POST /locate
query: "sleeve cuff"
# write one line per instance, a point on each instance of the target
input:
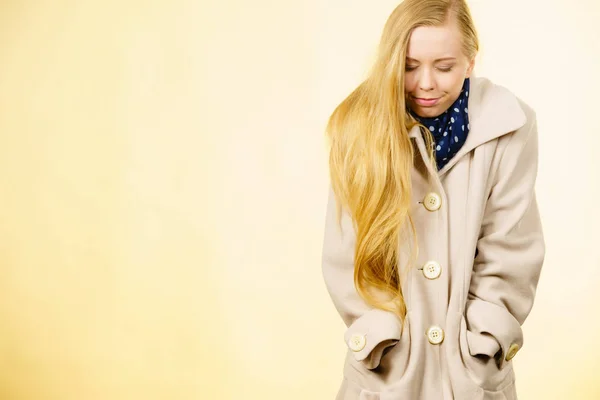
(492, 331)
(371, 334)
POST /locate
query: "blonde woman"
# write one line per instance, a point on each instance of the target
(433, 242)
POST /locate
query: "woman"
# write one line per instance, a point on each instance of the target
(433, 242)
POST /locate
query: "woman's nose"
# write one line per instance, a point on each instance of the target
(426, 82)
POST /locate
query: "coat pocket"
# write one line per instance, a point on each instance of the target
(391, 369)
(482, 369)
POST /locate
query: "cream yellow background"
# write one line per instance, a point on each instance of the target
(162, 188)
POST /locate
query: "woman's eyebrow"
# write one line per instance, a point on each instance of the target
(438, 60)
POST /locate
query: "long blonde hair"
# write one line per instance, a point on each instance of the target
(371, 154)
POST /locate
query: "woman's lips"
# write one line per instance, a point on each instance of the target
(430, 102)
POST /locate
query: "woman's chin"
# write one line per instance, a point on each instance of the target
(427, 112)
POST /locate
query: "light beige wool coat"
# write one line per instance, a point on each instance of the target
(481, 249)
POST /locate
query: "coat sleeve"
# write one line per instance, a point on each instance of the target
(369, 330)
(510, 253)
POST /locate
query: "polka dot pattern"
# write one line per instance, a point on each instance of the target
(455, 120)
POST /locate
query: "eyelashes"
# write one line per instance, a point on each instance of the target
(410, 68)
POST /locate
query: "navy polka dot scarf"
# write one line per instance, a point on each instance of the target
(450, 129)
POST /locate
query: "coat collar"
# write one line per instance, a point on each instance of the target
(493, 112)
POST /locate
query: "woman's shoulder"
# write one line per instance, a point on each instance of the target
(493, 93)
(503, 111)
(499, 109)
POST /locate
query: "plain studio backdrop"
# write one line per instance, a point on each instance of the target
(163, 182)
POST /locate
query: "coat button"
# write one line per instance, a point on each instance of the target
(512, 351)
(357, 342)
(432, 270)
(435, 334)
(432, 201)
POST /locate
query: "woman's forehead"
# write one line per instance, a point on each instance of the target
(430, 43)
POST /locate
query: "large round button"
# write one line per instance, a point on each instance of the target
(357, 342)
(432, 201)
(432, 270)
(435, 334)
(512, 351)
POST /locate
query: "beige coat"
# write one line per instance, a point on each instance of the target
(481, 249)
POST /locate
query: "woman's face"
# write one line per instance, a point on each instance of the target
(435, 69)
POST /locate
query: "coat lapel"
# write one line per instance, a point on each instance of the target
(493, 112)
